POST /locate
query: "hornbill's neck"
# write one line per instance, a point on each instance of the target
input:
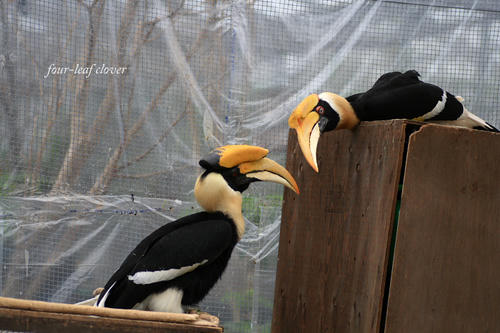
(215, 195)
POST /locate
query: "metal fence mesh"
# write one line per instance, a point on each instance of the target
(100, 100)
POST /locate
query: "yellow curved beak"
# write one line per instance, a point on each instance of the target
(266, 169)
(304, 121)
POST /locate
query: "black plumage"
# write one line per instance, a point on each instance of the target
(179, 244)
(397, 95)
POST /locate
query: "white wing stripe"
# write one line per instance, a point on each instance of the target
(437, 109)
(147, 277)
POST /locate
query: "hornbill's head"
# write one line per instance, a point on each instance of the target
(317, 114)
(229, 170)
(241, 165)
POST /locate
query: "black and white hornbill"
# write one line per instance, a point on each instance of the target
(179, 263)
(394, 95)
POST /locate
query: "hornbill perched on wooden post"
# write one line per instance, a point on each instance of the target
(179, 263)
(394, 95)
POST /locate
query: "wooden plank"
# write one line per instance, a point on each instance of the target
(446, 275)
(27, 315)
(335, 236)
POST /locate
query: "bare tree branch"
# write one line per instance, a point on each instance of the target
(150, 149)
(78, 150)
(103, 181)
(176, 11)
(143, 175)
(52, 106)
(8, 89)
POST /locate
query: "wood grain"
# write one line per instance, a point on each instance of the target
(36, 316)
(446, 275)
(335, 236)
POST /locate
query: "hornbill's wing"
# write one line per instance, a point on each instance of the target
(395, 80)
(388, 80)
(385, 78)
(401, 97)
(167, 254)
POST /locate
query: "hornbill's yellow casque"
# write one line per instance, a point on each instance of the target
(394, 95)
(180, 262)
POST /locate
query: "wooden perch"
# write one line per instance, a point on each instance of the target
(28, 315)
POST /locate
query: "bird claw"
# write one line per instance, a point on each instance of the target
(97, 291)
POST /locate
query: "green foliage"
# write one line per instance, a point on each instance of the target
(242, 302)
(9, 185)
(49, 167)
(252, 205)
(243, 299)
(245, 326)
(55, 153)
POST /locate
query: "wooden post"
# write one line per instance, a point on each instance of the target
(335, 236)
(333, 268)
(446, 275)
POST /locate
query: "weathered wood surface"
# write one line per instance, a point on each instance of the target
(36, 316)
(446, 275)
(335, 236)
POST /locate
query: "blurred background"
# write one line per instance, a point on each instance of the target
(107, 106)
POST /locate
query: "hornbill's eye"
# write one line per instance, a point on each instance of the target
(319, 109)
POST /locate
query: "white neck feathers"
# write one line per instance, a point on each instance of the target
(214, 195)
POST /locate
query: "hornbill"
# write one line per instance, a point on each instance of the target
(394, 95)
(180, 262)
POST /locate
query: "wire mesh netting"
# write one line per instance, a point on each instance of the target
(107, 106)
